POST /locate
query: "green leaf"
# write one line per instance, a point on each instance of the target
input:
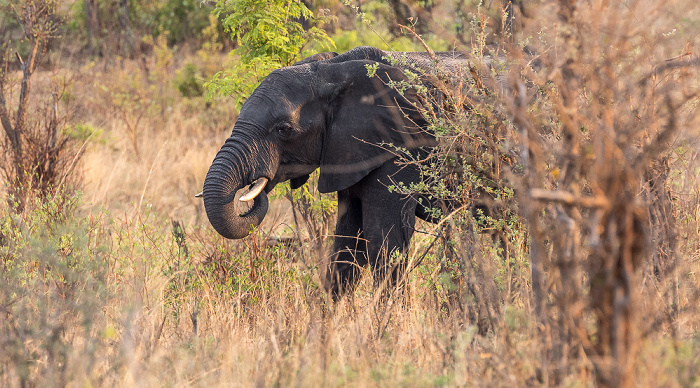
(269, 35)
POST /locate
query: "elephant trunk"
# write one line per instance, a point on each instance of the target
(236, 166)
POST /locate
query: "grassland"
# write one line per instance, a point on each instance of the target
(124, 283)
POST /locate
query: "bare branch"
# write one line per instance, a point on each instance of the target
(670, 64)
(5, 118)
(569, 198)
(28, 68)
(430, 52)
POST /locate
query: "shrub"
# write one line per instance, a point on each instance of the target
(40, 157)
(189, 82)
(53, 287)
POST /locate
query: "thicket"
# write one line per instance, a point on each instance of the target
(560, 146)
(109, 28)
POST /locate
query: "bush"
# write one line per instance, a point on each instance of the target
(189, 82)
(54, 284)
(40, 157)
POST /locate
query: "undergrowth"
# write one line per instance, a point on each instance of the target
(91, 298)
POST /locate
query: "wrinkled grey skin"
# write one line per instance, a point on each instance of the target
(325, 112)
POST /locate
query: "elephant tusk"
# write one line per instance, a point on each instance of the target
(200, 195)
(254, 191)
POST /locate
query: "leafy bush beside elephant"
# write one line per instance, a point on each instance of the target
(326, 112)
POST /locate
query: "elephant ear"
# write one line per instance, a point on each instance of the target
(369, 122)
(297, 182)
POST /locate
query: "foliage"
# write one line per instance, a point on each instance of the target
(188, 81)
(82, 132)
(73, 284)
(270, 34)
(115, 27)
(180, 20)
(595, 148)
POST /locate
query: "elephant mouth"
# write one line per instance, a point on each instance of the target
(256, 188)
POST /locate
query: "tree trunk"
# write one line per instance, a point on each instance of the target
(127, 47)
(92, 25)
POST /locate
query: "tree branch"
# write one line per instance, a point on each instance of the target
(5, 118)
(569, 198)
(28, 68)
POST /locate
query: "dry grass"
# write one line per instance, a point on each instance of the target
(177, 139)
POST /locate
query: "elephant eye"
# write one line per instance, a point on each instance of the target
(285, 130)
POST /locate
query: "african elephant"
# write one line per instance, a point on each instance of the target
(326, 112)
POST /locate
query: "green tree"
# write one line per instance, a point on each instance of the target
(270, 34)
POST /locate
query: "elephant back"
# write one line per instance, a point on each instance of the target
(361, 53)
(451, 62)
(456, 64)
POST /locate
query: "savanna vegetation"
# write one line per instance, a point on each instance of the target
(572, 139)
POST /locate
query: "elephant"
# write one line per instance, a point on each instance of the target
(325, 112)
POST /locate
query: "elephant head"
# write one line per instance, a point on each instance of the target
(323, 112)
